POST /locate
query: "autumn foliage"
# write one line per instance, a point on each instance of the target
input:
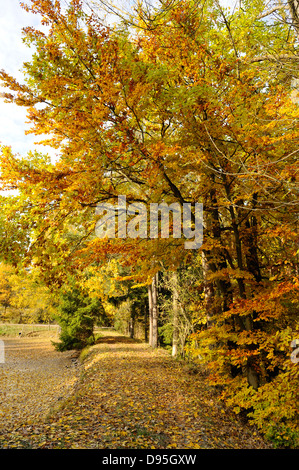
(181, 102)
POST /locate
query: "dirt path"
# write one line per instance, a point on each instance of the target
(33, 378)
(130, 396)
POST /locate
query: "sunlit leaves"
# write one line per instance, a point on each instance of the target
(191, 104)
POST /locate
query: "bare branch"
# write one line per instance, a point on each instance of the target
(267, 13)
(271, 58)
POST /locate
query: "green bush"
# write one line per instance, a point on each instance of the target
(282, 436)
(166, 333)
(78, 314)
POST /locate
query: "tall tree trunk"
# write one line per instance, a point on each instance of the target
(246, 322)
(294, 10)
(150, 314)
(132, 321)
(250, 243)
(146, 320)
(218, 294)
(209, 291)
(155, 311)
(175, 296)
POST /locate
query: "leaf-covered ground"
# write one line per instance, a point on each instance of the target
(33, 378)
(123, 395)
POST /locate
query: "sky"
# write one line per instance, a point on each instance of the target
(13, 53)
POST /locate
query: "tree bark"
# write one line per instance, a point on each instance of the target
(132, 322)
(218, 294)
(209, 291)
(146, 321)
(245, 323)
(175, 334)
(150, 314)
(250, 243)
(155, 311)
(294, 9)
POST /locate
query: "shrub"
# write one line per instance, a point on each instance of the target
(77, 316)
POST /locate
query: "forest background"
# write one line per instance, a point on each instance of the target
(178, 102)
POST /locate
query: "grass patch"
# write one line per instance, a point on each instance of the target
(15, 330)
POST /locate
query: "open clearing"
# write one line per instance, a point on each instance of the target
(123, 395)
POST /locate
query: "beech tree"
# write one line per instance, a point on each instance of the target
(182, 102)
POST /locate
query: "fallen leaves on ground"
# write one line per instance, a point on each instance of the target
(33, 379)
(128, 396)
